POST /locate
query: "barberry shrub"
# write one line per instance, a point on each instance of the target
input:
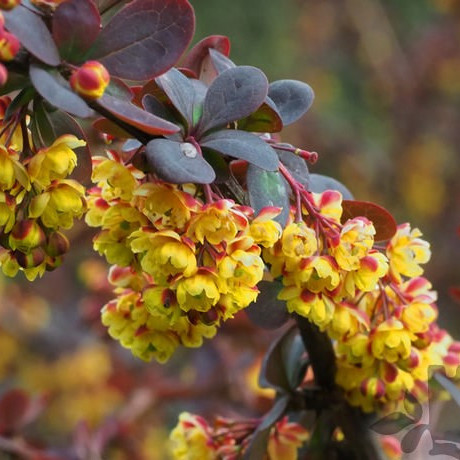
(202, 211)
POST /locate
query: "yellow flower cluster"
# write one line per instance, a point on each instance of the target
(194, 439)
(36, 201)
(180, 266)
(379, 311)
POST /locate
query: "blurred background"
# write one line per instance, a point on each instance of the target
(385, 121)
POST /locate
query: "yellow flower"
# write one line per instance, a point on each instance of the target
(285, 439)
(191, 439)
(406, 251)
(54, 162)
(114, 178)
(11, 170)
(7, 211)
(317, 274)
(298, 241)
(217, 222)
(263, 229)
(198, 292)
(418, 316)
(347, 321)
(391, 341)
(164, 253)
(26, 235)
(58, 206)
(356, 239)
(329, 203)
(165, 205)
(190, 334)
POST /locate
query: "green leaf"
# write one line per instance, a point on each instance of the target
(42, 131)
(242, 145)
(16, 81)
(265, 119)
(233, 95)
(178, 162)
(282, 367)
(76, 25)
(267, 311)
(118, 88)
(384, 222)
(145, 38)
(135, 116)
(51, 86)
(33, 34)
(292, 98)
(257, 449)
(268, 188)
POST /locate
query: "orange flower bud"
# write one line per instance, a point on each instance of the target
(90, 80)
(9, 46)
(3, 75)
(26, 234)
(9, 4)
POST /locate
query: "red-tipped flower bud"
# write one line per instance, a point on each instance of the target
(9, 4)
(57, 245)
(3, 75)
(26, 235)
(30, 260)
(90, 80)
(9, 46)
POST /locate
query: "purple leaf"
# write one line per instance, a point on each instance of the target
(33, 34)
(319, 183)
(180, 91)
(153, 105)
(293, 98)
(220, 61)
(135, 116)
(234, 94)
(145, 38)
(178, 162)
(411, 439)
(242, 145)
(76, 24)
(267, 311)
(51, 86)
(267, 188)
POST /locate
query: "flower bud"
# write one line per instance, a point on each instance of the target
(57, 244)
(3, 75)
(90, 80)
(9, 4)
(31, 260)
(26, 235)
(9, 46)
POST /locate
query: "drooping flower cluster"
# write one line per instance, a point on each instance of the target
(193, 438)
(36, 200)
(378, 309)
(181, 266)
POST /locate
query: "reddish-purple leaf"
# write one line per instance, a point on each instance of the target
(220, 61)
(76, 25)
(233, 95)
(145, 38)
(14, 406)
(384, 222)
(33, 34)
(318, 183)
(194, 58)
(108, 127)
(118, 88)
(137, 117)
(55, 89)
